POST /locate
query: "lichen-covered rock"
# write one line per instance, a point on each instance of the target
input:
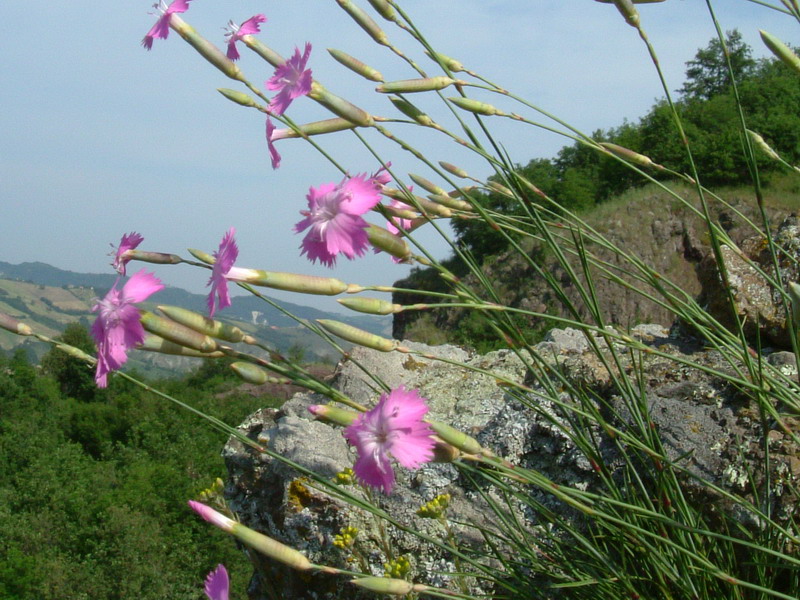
(706, 427)
(758, 303)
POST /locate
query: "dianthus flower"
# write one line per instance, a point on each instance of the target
(118, 326)
(128, 242)
(161, 29)
(273, 151)
(217, 584)
(394, 427)
(237, 32)
(225, 257)
(334, 216)
(291, 80)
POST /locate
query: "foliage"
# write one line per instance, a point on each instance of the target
(93, 499)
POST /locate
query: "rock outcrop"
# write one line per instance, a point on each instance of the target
(705, 425)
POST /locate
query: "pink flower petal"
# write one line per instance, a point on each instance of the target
(161, 28)
(129, 242)
(291, 80)
(249, 27)
(217, 584)
(394, 427)
(273, 151)
(225, 257)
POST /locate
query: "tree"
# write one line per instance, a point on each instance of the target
(708, 75)
(74, 377)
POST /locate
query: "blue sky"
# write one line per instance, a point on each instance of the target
(99, 137)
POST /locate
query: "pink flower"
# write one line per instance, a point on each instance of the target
(217, 584)
(237, 32)
(161, 28)
(334, 216)
(395, 427)
(271, 137)
(121, 258)
(118, 327)
(225, 257)
(291, 80)
(393, 222)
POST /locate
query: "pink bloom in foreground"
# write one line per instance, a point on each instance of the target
(217, 584)
(118, 327)
(273, 151)
(393, 222)
(212, 516)
(291, 80)
(334, 218)
(225, 257)
(129, 242)
(161, 29)
(394, 427)
(237, 32)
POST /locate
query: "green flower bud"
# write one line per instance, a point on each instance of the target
(205, 48)
(155, 343)
(372, 306)
(384, 240)
(175, 332)
(10, 324)
(364, 21)
(202, 256)
(333, 414)
(356, 65)
(238, 97)
(203, 324)
(358, 336)
(340, 106)
(629, 155)
(411, 111)
(454, 170)
(410, 86)
(427, 185)
(250, 373)
(780, 50)
(293, 282)
(384, 585)
(474, 106)
(451, 63)
(384, 9)
(457, 438)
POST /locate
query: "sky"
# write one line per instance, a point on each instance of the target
(99, 137)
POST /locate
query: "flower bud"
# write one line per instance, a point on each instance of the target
(385, 585)
(14, 326)
(384, 9)
(384, 240)
(202, 256)
(203, 324)
(154, 343)
(457, 438)
(293, 282)
(628, 10)
(780, 50)
(156, 258)
(451, 202)
(427, 185)
(175, 332)
(315, 128)
(761, 143)
(629, 155)
(411, 111)
(358, 336)
(365, 22)
(500, 189)
(410, 86)
(356, 65)
(76, 353)
(474, 106)
(425, 205)
(454, 170)
(451, 63)
(250, 372)
(372, 306)
(258, 541)
(238, 97)
(333, 414)
(340, 106)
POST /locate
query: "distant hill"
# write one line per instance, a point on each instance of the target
(48, 299)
